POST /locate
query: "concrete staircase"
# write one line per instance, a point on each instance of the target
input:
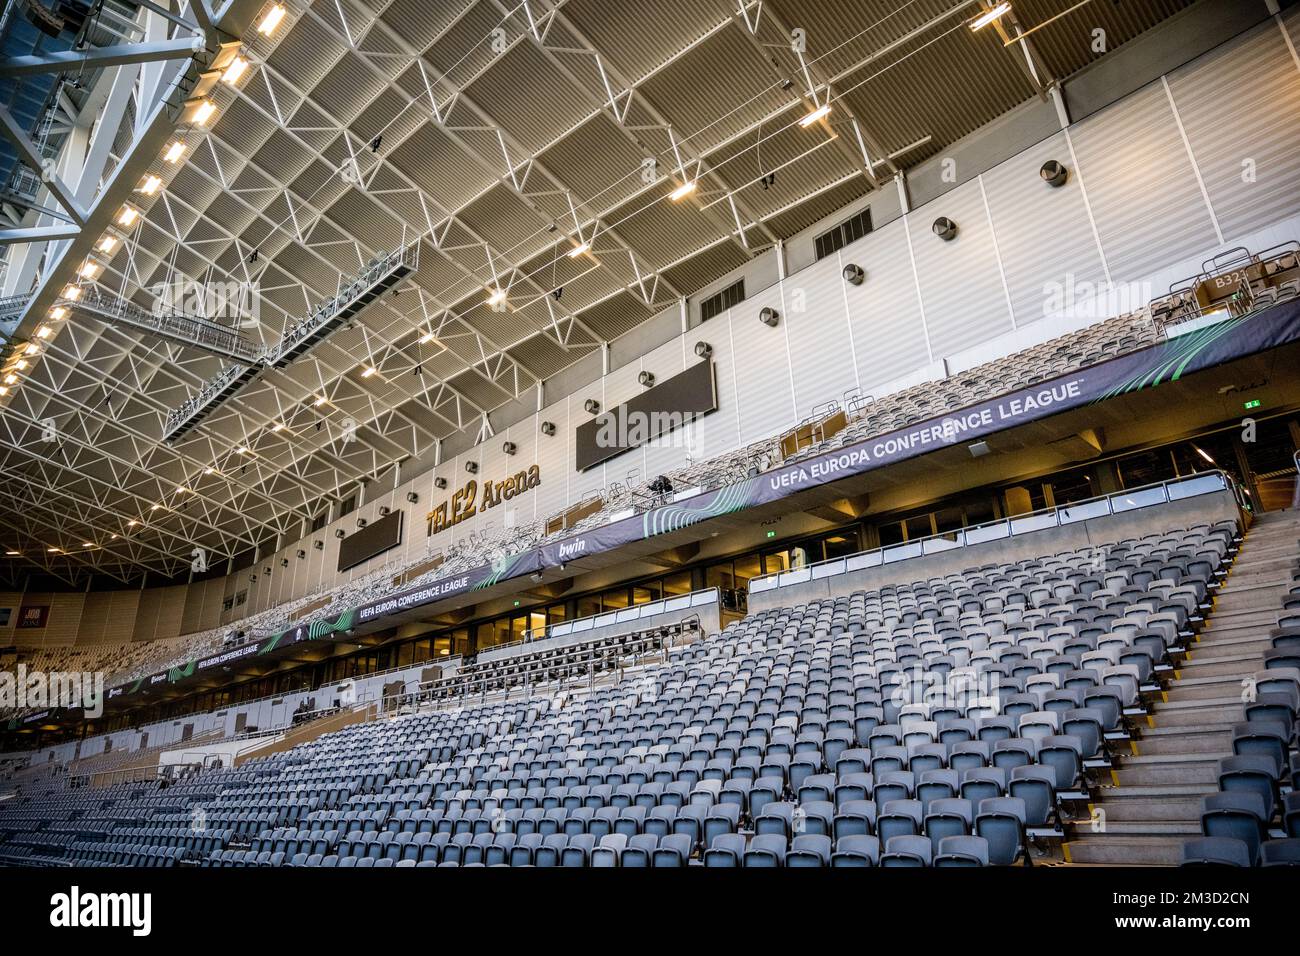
(1155, 803)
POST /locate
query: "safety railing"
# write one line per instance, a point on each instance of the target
(594, 622)
(378, 276)
(1295, 495)
(1173, 489)
(192, 330)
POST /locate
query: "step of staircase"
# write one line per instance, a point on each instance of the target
(1160, 769)
(1211, 645)
(1261, 617)
(1123, 850)
(1221, 665)
(1190, 687)
(1197, 713)
(1184, 740)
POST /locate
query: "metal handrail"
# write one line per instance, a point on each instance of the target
(193, 329)
(377, 270)
(1295, 495)
(1013, 525)
(566, 628)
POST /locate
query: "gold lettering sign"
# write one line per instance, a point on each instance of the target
(470, 499)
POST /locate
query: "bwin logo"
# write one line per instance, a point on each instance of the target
(73, 909)
(569, 550)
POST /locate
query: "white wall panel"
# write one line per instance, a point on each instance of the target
(821, 346)
(961, 287)
(555, 459)
(1140, 185)
(668, 452)
(1241, 105)
(884, 312)
(1042, 234)
(582, 484)
(765, 393)
(716, 433)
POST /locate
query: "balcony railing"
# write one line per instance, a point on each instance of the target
(1160, 493)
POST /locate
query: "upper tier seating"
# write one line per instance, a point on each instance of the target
(800, 736)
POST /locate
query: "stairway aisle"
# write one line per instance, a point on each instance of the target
(1156, 803)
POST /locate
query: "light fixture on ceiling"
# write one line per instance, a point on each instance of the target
(32, 349)
(989, 15)
(150, 185)
(132, 523)
(426, 338)
(58, 312)
(271, 19)
(815, 115)
(201, 112)
(128, 215)
(369, 371)
(72, 293)
(320, 401)
(580, 249)
(89, 269)
(496, 296)
(44, 332)
(107, 244)
(238, 67)
(11, 379)
(1204, 454)
(682, 191)
(174, 152)
(209, 470)
(278, 426)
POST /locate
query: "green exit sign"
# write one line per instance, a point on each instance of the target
(1253, 403)
(516, 604)
(771, 534)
